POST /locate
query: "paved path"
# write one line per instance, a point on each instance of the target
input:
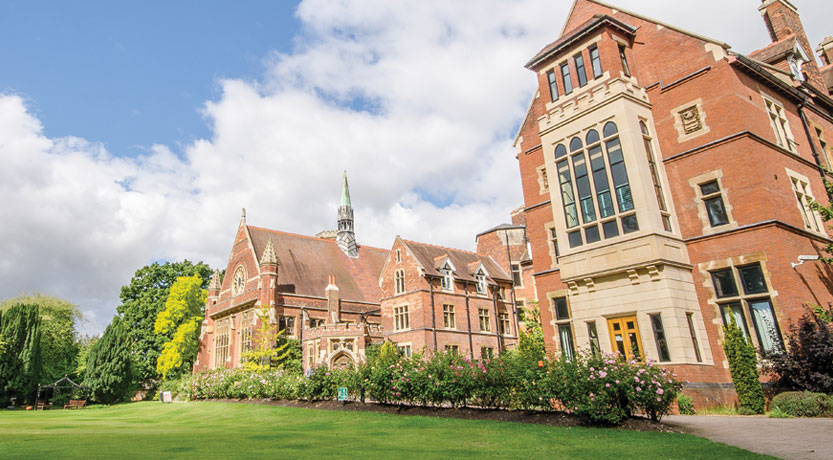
(789, 438)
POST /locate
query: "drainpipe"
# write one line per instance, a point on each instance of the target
(468, 318)
(433, 312)
(515, 312)
(813, 145)
(497, 318)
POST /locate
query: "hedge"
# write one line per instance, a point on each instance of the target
(604, 389)
(803, 404)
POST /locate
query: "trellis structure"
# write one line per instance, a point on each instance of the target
(60, 386)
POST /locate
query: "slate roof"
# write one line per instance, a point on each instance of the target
(465, 262)
(307, 261)
(583, 29)
(501, 227)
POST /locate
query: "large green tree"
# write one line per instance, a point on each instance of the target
(59, 338)
(20, 360)
(142, 300)
(109, 365)
(183, 314)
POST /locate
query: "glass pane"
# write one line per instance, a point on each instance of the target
(595, 62)
(716, 211)
(560, 151)
(594, 338)
(592, 137)
(629, 224)
(616, 326)
(752, 279)
(620, 344)
(765, 324)
(659, 337)
(734, 310)
(709, 188)
(643, 128)
(565, 78)
(689, 317)
(610, 228)
(591, 234)
(634, 346)
(571, 214)
(575, 144)
(574, 238)
(566, 336)
(724, 283)
(553, 85)
(609, 129)
(614, 150)
(561, 311)
(623, 195)
(605, 204)
(580, 72)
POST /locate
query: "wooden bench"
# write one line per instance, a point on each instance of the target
(41, 405)
(76, 404)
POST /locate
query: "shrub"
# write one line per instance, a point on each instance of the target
(743, 367)
(109, 371)
(808, 365)
(803, 404)
(685, 405)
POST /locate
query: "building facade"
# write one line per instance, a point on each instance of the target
(667, 182)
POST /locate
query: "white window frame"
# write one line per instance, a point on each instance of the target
(401, 318)
(449, 316)
(804, 196)
(399, 281)
(780, 125)
(484, 319)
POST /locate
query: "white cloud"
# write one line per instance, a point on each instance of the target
(419, 101)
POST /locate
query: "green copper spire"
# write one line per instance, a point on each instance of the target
(345, 192)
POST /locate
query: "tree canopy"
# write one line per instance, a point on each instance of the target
(109, 365)
(20, 360)
(182, 315)
(59, 338)
(142, 301)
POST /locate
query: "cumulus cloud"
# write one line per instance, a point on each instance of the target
(418, 101)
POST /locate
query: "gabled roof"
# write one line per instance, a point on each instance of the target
(645, 18)
(465, 261)
(578, 33)
(775, 50)
(501, 227)
(306, 263)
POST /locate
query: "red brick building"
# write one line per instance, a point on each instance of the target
(666, 184)
(337, 297)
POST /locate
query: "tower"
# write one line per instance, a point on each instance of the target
(345, 237)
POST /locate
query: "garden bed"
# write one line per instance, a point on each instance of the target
(520, 416)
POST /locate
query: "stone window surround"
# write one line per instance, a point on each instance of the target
(404, 312)
(449, 316)
(819, 224)
(399, 281)
(695, 182)
(549, 227)
(705, 270)
(777, 130)
(578, 90)
(402, 346)
(678, 121)
(556, 339)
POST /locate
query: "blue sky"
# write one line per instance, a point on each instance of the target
(130, 74)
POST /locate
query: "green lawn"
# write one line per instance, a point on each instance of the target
(225, 430)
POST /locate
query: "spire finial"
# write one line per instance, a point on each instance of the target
(345, 192)
(269, 256)
(243, 215)
(216, 283)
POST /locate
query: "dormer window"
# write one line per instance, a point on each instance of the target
(447, 279)
(480, 287)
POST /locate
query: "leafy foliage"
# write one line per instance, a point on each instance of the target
(803, 404)
(808, 363)
(603, 389)
(20, 360)
(109, 369)
(266, 346)
(85, 343)
(743, 366)
(183, 315)
(686, 405)
(59, 339)
(142, 301)
(531, 343)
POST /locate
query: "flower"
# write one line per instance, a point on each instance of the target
(602, 374)
(638, 389)
(607, 385)
(540, 364)
(660, 391)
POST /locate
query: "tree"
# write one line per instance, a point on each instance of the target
(531, 341)
(59, 339)
(85, 343)
(142, 300)
(808, 363)
(743, 367)
(266, 345)
(183, 314)
(109, 369)
(20, 360)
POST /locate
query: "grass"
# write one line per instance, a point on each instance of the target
(226, 430)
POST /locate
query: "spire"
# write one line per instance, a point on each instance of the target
(345, 192)
(346, 238)
(216, 283)
(269, 256)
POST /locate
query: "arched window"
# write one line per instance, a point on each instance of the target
(592, 137)
(609, 129)
(560, 151)
(238, 283)
(399, 281)
(575, 144)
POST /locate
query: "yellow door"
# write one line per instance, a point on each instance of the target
(624, 337)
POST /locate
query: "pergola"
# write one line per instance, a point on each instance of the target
(61, 386)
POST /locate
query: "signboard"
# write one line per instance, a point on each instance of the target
(166, 397)
(342, 393)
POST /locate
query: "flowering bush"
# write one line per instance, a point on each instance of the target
(604, 389)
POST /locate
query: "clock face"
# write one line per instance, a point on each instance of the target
(238, 282)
